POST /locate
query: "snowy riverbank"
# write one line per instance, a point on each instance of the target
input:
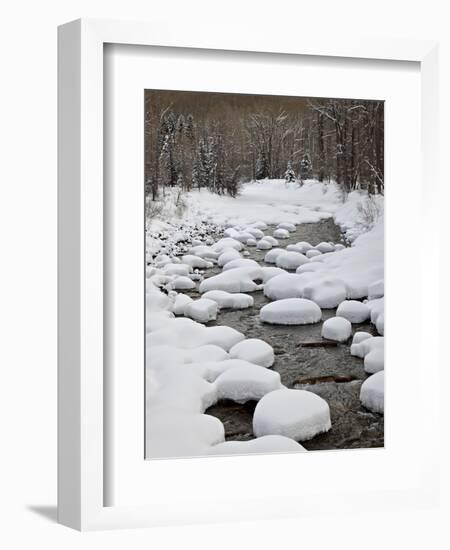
(191, 365)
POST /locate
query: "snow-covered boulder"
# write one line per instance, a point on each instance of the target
(228, 300)
(360, 336)
(372, 393)
(326, 292)
(271, 240)
(380, 324)
(376, 290)
(243, 236)
(291, 260)
(353, 311)
(240, 262)
(201, 310)
(203, 251)
(304, 246)
(325, 247)
(228, 256)
(266, 444)
(177, 269)
(182, 283)
(338, 247)
(247, 383)
(162, 259)
(297, 414)
(271, 272)
(366, 346)
(257, 233)
(263, 244)
(259, 225)
(286, 225)
(376, 308)
(255, 351)
(294, 248)
(204, 353)
(290, 285)
(210, 370)
(251, 242)
(281, 234)
(312, 253)
(240, 279)
(180, 303)
(291, 311)
(272, 255)
(337, 329)
(176, 434)
(196, 262)
(374, 360)
(226, 242)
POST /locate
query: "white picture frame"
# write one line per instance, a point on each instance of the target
(82, 485)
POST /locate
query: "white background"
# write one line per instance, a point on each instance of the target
(28, 272)
(217, 482)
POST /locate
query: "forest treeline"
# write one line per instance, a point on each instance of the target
(328, 139)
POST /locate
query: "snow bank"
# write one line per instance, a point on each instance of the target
(337, 329)
(227, 300)
(297, 414)
(190, 334)
(372, 393)
(376, 290)
(353, 311)
(208, 352)
(255, 351)
(265, 444)
(247, 383)
(291, 311)
(176, 434)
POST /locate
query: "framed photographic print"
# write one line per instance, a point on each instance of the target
(229, 220)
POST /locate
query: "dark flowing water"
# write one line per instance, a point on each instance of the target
(324, 368)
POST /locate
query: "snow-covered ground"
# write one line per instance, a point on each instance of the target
(191, 365)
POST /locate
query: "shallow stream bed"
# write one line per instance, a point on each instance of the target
(305, 361)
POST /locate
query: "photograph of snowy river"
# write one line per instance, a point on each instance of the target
(264, 274)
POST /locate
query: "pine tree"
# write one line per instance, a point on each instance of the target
(289, 175)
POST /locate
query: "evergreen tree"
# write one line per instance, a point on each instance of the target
(289, 175)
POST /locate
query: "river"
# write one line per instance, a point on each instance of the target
(304, 361)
